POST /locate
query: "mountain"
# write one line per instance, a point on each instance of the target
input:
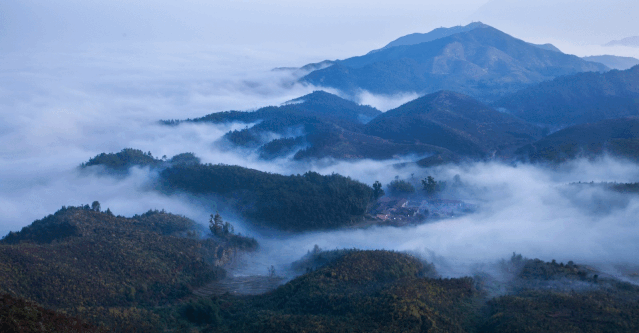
(318, 104)
(110, 269)
(578, 98)
(628, 41)
(317, 125)
(618, 137)
(483, 62)
(438, 33)
(614, 62)
(453, 121)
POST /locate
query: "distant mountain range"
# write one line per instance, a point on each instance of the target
(628, 41)
(313, 126)
(614, 62)
(446, 125)
(476, 60)
(579, 98)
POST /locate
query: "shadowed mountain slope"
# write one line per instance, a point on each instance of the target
(618, 137)
(455, 122)
(579, 98)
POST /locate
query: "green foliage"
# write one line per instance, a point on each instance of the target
(365, 291)
(185, 158)
(378, 192)
(548, 311)
(123, 160)
(18, 315)
(400, 186)
(431, 186)
(110, 270)
(298, 202)
(203, 311)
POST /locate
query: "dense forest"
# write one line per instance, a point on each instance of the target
(85, 270)
(381, 291)
(297, 202)
(108, 269)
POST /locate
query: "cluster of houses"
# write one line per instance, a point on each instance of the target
(403, 211)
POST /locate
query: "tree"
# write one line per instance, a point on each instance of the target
(400, 187)
(377, 190)
(216, 225)
(429, 185)
(95, 206)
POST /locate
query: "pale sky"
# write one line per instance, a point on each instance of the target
(336, 28)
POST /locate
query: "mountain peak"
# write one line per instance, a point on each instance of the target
(418, 38)
(315, 96)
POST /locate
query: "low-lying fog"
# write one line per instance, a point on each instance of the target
(60, 109)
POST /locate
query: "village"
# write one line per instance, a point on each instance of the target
(398, 211)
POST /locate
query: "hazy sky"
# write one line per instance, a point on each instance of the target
(326, 28)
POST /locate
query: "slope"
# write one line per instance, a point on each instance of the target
(455, 122)
(110, 269)
(579, 98)
(619, 137)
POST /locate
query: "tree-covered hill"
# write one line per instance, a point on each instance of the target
(455, 122)
(363, 291)
(381, 291)
(107, 269)
(482, 62)
(617, 137)
(577, 99)
(297, 202)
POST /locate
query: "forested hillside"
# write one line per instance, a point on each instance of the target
(297, 202)
(111, 270)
